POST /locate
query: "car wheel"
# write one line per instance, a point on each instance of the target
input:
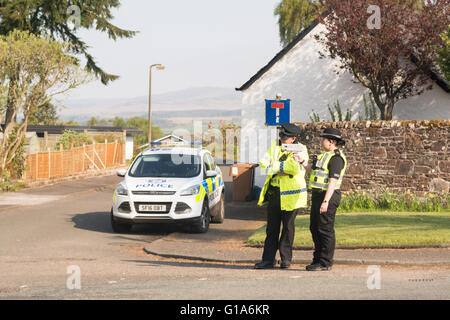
(120, 227)
(202, 224)
(221, 215)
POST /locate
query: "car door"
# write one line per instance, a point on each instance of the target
(215, 182)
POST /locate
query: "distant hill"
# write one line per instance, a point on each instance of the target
(206, 101)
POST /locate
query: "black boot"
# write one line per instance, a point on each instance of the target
(317, 267)
(264, 265)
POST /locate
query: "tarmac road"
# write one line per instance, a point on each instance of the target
(41, 241)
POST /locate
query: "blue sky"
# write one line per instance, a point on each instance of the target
(201, 42)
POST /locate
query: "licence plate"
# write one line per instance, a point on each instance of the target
(152, 207)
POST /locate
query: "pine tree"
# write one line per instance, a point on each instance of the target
(56, 17)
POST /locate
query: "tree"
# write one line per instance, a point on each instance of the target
(393, 59)
(118, 122)
(60, 20)
(444, 55)
(47, 114)
(142, 124)
(293, 17)
(71, 123)
(92, 122)
(32, 71)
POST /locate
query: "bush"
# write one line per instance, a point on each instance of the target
(70, 137)
(6, 183)
(394, 201)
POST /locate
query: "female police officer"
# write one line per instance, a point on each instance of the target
(285, 192)
(325, 181)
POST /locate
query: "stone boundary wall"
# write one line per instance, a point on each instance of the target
(399, 155)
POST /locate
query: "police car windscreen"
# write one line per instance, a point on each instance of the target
(166, 166)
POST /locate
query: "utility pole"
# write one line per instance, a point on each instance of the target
(159, 67)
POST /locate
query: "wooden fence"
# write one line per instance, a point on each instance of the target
(64, 163)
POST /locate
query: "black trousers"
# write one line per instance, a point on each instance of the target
(273, 242)
(322, 227)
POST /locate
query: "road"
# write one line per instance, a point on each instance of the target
(44, 245)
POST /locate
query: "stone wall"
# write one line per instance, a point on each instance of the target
(398, 155)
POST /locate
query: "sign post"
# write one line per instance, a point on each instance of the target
(278, 112)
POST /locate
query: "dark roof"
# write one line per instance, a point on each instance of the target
(433, 75)
(60, 129)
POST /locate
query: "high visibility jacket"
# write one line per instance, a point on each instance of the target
(320, 177)
(293, 190)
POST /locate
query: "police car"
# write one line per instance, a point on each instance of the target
(181, 185)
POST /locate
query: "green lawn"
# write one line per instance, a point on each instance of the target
(376, 228)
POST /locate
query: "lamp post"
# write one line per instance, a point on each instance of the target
(159, 67)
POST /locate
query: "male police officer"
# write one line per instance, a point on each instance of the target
(285, 192)
(325, 181)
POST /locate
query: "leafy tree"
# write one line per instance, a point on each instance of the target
(55, 18)
(92, 122)
(293, 17)
(47, 114)
(32, 71)
(61, 20)
(69, 138)
(393, 61)
(71, 123)
(119, 122)
(142, 124)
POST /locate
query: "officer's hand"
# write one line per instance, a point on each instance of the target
(324, 207)
(297, 157)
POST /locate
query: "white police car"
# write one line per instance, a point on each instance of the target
(181, 185)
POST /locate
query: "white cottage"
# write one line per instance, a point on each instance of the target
(311, 83)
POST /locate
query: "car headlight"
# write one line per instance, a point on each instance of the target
(121, 190)
(191, 191)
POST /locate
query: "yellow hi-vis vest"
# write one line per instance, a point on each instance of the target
(293, 190)
(320, 178)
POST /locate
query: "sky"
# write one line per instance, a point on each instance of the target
(202, 43)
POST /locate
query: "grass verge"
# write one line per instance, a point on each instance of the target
(376, 229)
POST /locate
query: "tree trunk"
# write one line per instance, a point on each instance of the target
(389, 110)
(381, 106)
(10, 103)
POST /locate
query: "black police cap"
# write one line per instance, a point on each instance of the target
(332, 133)
(290, 129)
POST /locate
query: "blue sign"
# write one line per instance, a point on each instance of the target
(278, 112)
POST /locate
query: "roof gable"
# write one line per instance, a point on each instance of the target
(281, 54)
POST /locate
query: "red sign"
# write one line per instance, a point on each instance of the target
(277, 105)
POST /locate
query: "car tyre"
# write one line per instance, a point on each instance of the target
(202, 224)
(120, 227)
(219, 218)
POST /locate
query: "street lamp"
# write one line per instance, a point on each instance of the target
(159, 67)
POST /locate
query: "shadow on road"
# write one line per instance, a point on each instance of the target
(100, 222)
(214, 265)
(245, 211)
(193, 264)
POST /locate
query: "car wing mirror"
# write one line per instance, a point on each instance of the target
(211, 173)
(121, 172)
